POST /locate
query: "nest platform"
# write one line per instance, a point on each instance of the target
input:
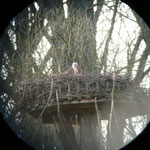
(74, 94)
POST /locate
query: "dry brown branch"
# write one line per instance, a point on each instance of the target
(97, 114)
(112, 103)
(58, 106)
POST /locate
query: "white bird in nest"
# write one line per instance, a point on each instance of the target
(75, 69)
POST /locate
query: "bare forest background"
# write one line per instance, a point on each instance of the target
(46, 37)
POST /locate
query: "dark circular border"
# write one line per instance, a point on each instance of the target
(8, 10)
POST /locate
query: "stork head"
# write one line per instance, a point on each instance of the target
(75, 67)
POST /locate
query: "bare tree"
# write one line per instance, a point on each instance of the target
(24, 55)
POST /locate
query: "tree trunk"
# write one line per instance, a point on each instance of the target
(88, 132)
(66, 133)
(105, 53)
(132, 57)
(115, 136)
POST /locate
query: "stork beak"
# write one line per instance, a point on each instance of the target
(78, 67)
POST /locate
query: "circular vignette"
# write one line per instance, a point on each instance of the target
(133, 5)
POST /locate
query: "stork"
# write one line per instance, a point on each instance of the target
(75, 69)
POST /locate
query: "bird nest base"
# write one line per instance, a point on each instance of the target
(34, 94)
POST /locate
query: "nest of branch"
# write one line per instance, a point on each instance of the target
(35, 93)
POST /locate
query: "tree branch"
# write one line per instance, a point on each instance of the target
(132, 57)
(105, 53)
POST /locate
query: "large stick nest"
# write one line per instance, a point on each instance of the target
(67, 88)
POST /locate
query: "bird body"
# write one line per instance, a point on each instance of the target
(75, 69)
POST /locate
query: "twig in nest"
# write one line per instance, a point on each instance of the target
(21, 102)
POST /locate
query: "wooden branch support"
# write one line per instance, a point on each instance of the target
(118, 87)
(87, 91)
(68, 84)
(59, 89)
(78, 91)
(112, 103)
(107, 85)
(87, 87)
(115, 138)
(97, 87)
(57, 99)
(97, 114)
(69, 92)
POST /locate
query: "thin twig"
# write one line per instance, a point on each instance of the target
(61, 37)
